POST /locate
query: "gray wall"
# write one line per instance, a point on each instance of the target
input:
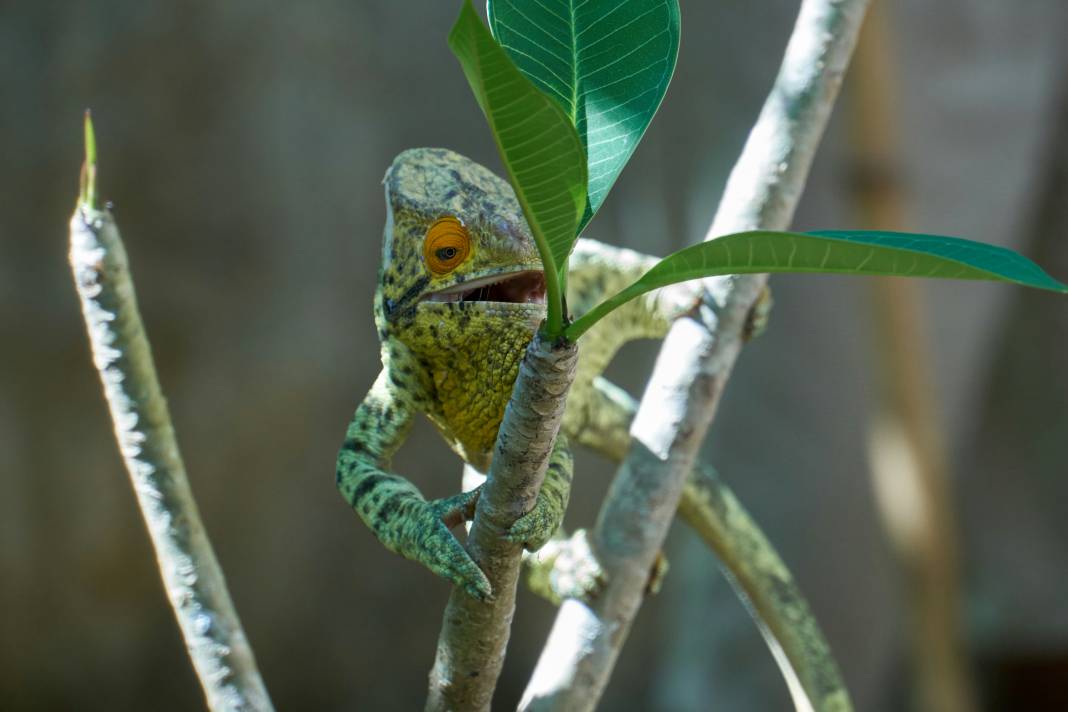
(243, 144)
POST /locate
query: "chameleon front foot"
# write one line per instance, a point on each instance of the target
(535, 528)
(422, 534)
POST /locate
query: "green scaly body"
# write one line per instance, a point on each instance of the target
(456, 361)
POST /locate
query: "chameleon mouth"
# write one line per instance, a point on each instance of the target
(526, 287)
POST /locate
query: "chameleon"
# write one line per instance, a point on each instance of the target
(460, 294)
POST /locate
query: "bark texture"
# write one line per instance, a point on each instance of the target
(474, 634)
(695, 362)
(192, 579)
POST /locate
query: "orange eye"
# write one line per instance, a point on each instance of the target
(447, 244)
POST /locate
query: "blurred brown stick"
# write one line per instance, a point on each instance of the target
(907, 449)
(193, 581)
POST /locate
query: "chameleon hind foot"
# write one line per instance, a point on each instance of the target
(565, 568)
(568, 568)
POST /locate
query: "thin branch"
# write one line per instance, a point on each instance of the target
(695, 362)
(474, 634)
(754, 568)
(191, 575)
(764, 584)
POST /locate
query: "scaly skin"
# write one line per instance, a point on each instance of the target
(457, 361)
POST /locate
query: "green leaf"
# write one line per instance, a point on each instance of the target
(607, 63)
(832, 251)
(540, 148)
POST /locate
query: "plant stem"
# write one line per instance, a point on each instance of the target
(192, 579)
(474, 634)
(695, 362)
(554, 299)
(88, 181)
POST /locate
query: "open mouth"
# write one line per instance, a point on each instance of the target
(527, 287)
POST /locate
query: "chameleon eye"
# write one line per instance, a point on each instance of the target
(447, 244)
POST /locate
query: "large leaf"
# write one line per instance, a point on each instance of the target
(607, 62)
(832, 251)
(540, 148)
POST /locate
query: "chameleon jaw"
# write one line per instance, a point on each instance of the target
(522, 287)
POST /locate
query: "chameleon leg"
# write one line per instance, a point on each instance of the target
(563, 568)
(391, 506)
(536, 527)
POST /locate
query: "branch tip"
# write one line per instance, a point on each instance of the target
(87, 195)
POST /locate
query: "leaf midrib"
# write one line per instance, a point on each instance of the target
(574, 68)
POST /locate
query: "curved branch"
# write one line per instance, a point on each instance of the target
(748, 560)
(695, 362)
(764, 584)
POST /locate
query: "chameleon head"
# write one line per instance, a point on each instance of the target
(461, 292)
(456, 245)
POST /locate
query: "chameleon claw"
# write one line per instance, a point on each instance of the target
(445, 555)
(473, 582)
(480, 593)
(535, 528)
(457, 509)
(423, 535)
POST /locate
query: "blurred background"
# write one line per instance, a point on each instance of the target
(903, 445)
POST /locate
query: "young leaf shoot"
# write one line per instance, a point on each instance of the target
(541, 151)
(606, 62)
